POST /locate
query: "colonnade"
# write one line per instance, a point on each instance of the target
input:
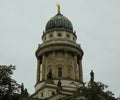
(41, 68)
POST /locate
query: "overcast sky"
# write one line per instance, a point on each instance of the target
(97, 25)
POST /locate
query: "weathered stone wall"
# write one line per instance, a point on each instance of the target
(62, 59)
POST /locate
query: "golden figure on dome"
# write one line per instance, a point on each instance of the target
(58, 5)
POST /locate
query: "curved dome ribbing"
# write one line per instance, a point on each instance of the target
(59, 21)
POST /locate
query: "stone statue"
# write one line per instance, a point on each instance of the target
(49, 75)
(92, 76)
(59, 84)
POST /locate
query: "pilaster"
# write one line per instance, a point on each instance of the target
(54, 72)
(80, 71)
(43, 67)
(65, 70)
(38, 71)
(75, 67)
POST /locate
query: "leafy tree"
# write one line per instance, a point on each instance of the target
(9, 88)
(92, 91)
(96, 91)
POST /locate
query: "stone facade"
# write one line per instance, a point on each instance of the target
(59, 61)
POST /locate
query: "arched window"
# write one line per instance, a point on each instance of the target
(59, 34)
(53, 93)
(59, 72)
(51, 35)
(68, 36)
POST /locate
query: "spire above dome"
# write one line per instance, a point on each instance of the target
(58, 6)
(59, 22)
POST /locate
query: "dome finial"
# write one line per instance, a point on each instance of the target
(58, 6)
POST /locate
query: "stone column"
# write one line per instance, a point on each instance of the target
(54, 72)
(38, 71)
(75, 67)
(65, 70)
(80, 71)
(43, 67)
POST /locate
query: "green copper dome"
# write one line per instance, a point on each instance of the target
(59, 22)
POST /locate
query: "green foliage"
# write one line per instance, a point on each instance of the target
(9, 88)
(96, 91)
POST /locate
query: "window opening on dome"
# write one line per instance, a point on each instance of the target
(53, 93)
(59, 34)
(68, 35)
(51, 35)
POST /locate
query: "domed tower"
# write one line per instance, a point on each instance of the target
(59, 59)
